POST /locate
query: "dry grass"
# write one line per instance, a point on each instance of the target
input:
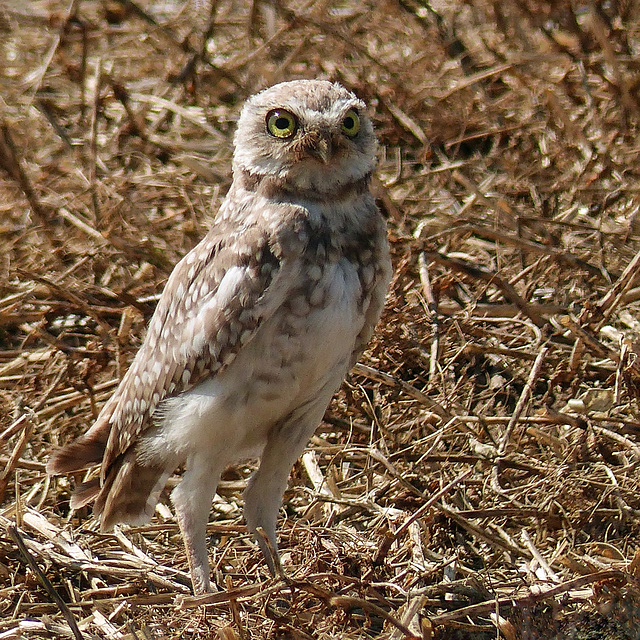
(477, 475)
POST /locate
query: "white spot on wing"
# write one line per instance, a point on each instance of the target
(229, 285)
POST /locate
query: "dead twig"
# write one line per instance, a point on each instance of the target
(432, 308)
(476, 271)
(348, 603)
(616, 294)
(528, 600)
(392, 381)
(523, 399)
(45, 582)
(10, 162)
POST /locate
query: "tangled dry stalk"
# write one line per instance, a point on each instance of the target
(477, 475)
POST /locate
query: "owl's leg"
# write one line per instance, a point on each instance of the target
(263, 495)
(192, 501)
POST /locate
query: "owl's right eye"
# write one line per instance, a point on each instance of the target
(281, 123)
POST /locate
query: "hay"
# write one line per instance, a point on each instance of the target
(478, 473)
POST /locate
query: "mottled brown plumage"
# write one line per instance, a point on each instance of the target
(256, 327)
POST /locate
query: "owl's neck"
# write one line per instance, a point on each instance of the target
(279, 189)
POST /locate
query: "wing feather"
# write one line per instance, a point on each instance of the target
(212, 305)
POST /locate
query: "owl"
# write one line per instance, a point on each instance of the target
(256, 328)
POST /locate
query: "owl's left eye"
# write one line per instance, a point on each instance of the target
(351, 123)
(281, 123)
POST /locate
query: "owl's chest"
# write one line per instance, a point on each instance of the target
(302, 351)
(314, 331)
(298, 355)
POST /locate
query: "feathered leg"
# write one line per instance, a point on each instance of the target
(192, 501)
(263, 495)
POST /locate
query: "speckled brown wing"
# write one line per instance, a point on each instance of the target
(212, 304)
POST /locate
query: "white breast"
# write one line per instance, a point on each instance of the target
(301, 352)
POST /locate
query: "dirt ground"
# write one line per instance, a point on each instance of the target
(477, 475)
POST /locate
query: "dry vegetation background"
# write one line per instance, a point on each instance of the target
(477, 475)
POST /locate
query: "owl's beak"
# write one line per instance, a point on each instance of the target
(320, 148)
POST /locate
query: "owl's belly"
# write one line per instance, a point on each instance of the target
(298, 355)
(303, 350)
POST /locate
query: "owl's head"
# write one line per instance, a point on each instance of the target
(309, 135)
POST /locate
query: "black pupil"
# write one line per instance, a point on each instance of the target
(282, 123)
(349, 122)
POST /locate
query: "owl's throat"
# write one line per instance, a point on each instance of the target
(287, 190)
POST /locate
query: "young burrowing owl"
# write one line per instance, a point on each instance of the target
(256, 328)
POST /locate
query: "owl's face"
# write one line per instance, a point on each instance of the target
(311, 135)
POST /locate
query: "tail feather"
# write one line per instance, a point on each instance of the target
(87, 451)
(130, 493)
(129, 490)
(83, 453)
(85, 493)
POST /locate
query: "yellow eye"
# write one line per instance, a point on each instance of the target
(281, 123)
(351, 123)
